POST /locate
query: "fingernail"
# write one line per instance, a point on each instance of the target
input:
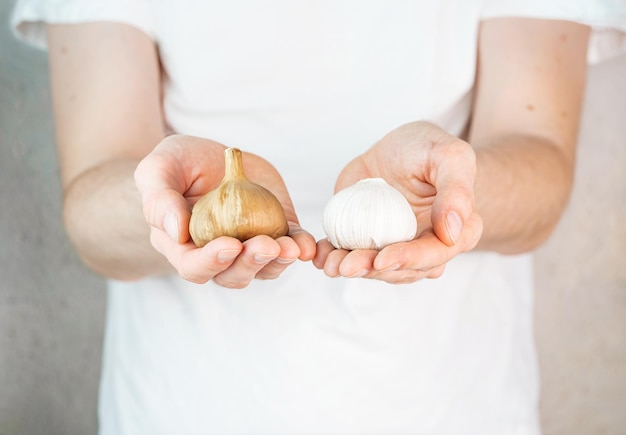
(170, 224)
(227, 255)
(285, 260)
(359, 274)
(454, 225)
(263, 258)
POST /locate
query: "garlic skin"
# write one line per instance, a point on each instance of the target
(370, 214)
(237, 208)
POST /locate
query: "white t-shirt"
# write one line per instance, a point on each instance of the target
(309, 85)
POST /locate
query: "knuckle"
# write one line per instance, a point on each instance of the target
(436, 272)
(193, 277)
(192, 274)
(404, 277)
(154, 239)
(272, 271)
(478, 233)
(459, 149)
(230, 284)
(466, 194)
(267, 276)
(331, 271)
(140, 170)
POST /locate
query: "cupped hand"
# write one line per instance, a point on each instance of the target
(435, 171)
(174, 176)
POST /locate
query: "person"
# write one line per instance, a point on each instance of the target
(469, 108)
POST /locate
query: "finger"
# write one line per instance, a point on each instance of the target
(436, 272)
(168, 211)
(197, 265)
(333, 261)
(357, 263)
(304, 240)
(428, 251)
(353, 172)
(453, 177)
(424, 253)
(324, 248)
(299, 244)
(164, 206)
(398, 277)
(473, 232)
(257, 253)
(289, 252)
(409, 276)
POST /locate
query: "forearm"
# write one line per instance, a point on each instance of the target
(104, 220)
(529, 92)
(522, 187)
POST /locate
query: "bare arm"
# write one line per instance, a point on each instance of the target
(531, 78)
(128, 189)
(505, 191)
(105, 89)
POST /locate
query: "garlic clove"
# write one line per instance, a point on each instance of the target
(237, 208)
(370, 214)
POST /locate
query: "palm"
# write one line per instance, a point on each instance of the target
(174, 176)
(410, 174)
(196, 166)
(435, 173)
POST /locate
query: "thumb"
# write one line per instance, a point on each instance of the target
(454, 201)
(168, 211)
(164, 206)
(354, 171)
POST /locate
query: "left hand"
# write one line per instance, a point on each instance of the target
(435, 172)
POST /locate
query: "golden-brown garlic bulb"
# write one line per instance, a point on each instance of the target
(238, 208)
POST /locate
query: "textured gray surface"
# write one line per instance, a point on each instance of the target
(52, 309)
(581, 276)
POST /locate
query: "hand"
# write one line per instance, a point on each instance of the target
(435, 172)
(174, 176)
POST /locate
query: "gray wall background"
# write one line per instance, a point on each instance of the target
(52, 309)
(581, 276)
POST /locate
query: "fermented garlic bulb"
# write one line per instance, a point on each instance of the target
(238, 208)
(368, 215)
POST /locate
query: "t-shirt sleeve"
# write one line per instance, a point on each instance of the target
(29, 17)
(606, 17)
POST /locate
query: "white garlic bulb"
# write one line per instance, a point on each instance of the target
(370, 214)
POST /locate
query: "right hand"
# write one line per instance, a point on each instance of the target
(434, 170)
(178, 172)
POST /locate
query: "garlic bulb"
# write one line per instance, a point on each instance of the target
(368, 215)
(238, 208)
